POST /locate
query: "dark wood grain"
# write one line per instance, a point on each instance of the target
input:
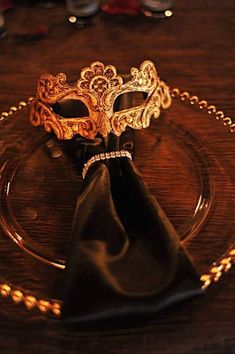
(194, 50)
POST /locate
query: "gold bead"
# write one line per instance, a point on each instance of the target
(225, 261)
(202, 104)
(17, 296)
(184, 95)
(217, 276)
(228, 266)
(30, 301)
(219, 115)
(175, 92)
(4, 114)
(56, 308)
(214, 270)
(13, 109)
(211, 109)
(227, 121)
(232, 252)
(23, 104)
(194, 99)
(205, 277)
(206, 284)
(232, 128)
(43, 305)
(5, 290)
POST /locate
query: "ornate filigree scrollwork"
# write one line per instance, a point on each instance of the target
(98, 88)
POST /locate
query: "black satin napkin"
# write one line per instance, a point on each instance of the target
(125, 259)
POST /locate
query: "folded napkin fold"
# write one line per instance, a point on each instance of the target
(125, 259)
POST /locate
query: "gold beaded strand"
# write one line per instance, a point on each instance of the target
(226, 262)
(204, 105)
(13, 109)
(30, 301)
(218, 269)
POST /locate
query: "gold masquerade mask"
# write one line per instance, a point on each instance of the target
(97, 89)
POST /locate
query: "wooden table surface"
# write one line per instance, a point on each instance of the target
(193, 50)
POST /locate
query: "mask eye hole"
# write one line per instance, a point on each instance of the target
(129, 100)
(71, 108)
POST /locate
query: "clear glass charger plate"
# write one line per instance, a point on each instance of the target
(185, 157)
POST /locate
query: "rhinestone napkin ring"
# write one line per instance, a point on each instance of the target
(97, 89)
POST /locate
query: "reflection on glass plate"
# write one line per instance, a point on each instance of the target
(185, 171)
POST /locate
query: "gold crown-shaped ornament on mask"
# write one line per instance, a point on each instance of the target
(98, 88)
